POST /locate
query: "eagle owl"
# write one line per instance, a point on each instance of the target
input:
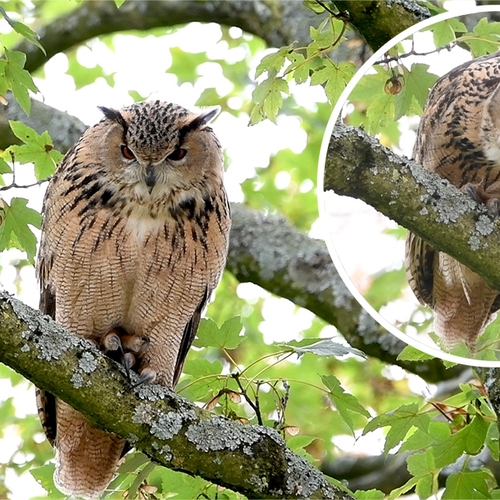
(134, 241)
(459, 139)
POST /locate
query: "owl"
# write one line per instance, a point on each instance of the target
(459, 139)
(134, 241)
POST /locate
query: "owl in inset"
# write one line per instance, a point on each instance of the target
(134, 241)
(459, 139)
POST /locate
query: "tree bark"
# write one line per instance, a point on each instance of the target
(378, 21)
(358, 165)
(253, 460)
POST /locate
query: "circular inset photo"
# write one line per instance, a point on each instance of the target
(410, 166)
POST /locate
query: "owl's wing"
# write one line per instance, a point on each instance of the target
(419, 268)
(46, 402)
(189, 334)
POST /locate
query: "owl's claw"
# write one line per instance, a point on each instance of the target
(128, 350)
(478, 194)
(147, 374)
(111, 342)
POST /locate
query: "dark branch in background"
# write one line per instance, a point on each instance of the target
(64, 129)
(253, 460)
(357, 165)
(278, 23)
(378, 21)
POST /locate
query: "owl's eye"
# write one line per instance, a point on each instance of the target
(127, 152)
(177, 155)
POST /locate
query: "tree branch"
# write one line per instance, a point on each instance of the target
(358, 165)
(253, 460)
(278, 23)
(378, 21)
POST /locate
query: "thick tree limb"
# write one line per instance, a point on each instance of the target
(253, 460)
(378, 21)
(358, 165)
(277, 22)
(64, 129)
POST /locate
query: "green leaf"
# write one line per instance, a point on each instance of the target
(44, 476)
(369, 494)
(380, 105)
(345, 403)
(445, 31)
(322, 347)
(82, 75)
(437, 432)
(469, 485)
(28, 33)
(119, 3)
(468, 440)
(485, 38)
(5, 167)
(410, 353)
(14, 229)
(272, 63)
(414, 90)
(182, 485)
(298, 443)
(225, 337)
(17, 78)
(386, 287)
(334, 77)
(423, 468)
(37, 149)
(268, 99)
(401, 421)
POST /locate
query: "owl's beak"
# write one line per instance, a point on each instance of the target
(150, 177)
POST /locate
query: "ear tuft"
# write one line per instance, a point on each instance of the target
(205, 117)
(113, 114)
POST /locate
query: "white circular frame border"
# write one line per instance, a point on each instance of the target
(337, 110)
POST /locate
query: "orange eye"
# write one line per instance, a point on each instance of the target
(127, 152)
(177, 155)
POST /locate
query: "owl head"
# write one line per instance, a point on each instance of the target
(157, 149)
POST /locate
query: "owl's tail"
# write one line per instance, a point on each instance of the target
(464, 304)
(86, 457)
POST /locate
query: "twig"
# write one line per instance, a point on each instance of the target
(254, 406)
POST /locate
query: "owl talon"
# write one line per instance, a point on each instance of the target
(479, 195)
(111, 342)
(146, 375)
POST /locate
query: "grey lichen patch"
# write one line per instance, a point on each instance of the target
(25, 348)
(163, 425)
(153, 392)
(144, 414)
(77, 380)
(87, 363)
(166, 426)
(216, 434)
(484, 225)
(424, 211)
(304, 481)
(132, 439)
(259, 483)
(166, 452)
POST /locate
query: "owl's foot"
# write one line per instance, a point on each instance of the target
(479, 194)
(147, 374)
(129, 351)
